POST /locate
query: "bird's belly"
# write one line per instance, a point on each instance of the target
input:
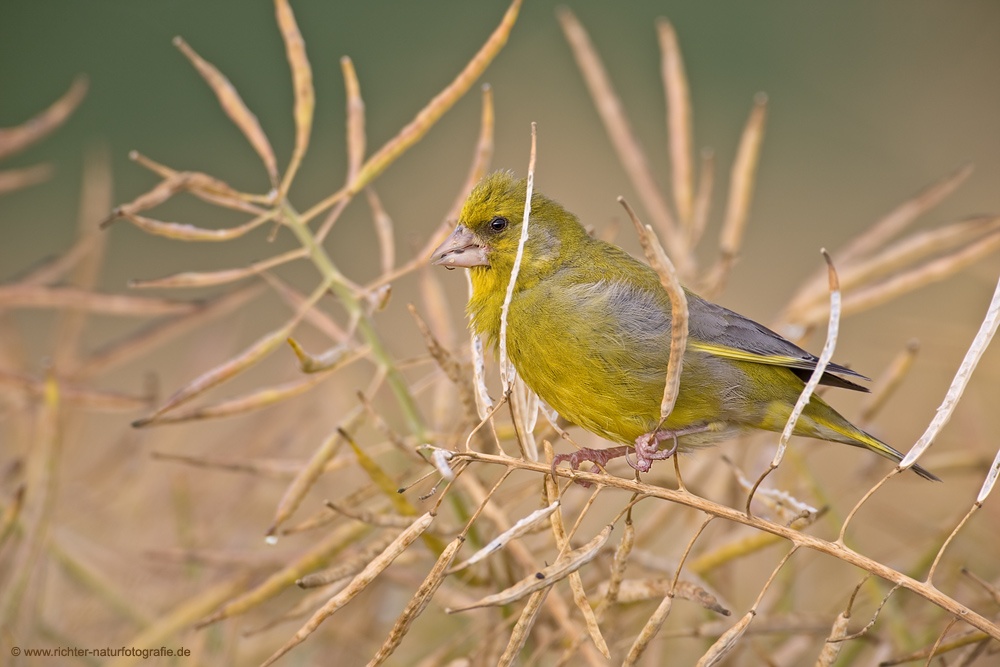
(621, 403)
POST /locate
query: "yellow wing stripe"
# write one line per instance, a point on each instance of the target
(744, 355)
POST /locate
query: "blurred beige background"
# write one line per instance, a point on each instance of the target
(869, 102)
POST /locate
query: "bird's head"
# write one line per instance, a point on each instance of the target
(489, 228)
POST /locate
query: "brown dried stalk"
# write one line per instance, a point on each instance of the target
(616, 124)
(236, 365)
(741, 185)
(418, 127)
(358, 584)
(181, 617)
(418, 602)
(833, 327)
(16, 179)
(317, 557)
(480, 165)
(35, 297)
(678, 311)
(547, 576)
(13, 140)
(655, 622)
(235, 108)
(142, 341)
(302, 86)
(834, 549)
(675, 85)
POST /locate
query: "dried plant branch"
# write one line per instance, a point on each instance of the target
(17, 179)
(11, 513)
(134, 345)
(302, 85)
(561, 568)
(833, 327)
(39, 501)
(655, 622)
(834, 549)
(575, 580)
(678, 311)
(358, 584)
(35, 297)
(210, 278)
(317, 557)
(419, 601)
(480, 165)
(427, 116)
(235, 108)
(354, 564)
(95, 200)
(940, 647)
(229, 369)
(675, 85)
(200, 185)
(620, 132)
(900, 217)
(335, 280)
(721, 648)
(73, 394)
(181, 617)
(506, 368)
(185, 232)
(831, 649)
(965, 370)
(741, 185)
(13, 140)
(521, 527)
(902, 283)
(383, 229)
(703, 198)
(310, 472)
(890, 380)
(522, 630)
(356, 138)
(906, 253)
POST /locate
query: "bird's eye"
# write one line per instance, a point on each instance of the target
(498, 224)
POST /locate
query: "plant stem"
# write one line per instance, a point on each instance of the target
(366, 327)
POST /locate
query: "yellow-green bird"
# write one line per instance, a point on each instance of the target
(589, 332)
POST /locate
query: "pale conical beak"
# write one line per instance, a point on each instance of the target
(460, 250)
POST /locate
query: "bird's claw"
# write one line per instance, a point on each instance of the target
(647, 449)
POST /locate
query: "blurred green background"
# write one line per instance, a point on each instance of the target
(868, 103)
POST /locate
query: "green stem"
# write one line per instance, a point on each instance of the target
(365, 325)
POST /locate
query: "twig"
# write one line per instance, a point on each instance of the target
(814, 379)
(506, 376)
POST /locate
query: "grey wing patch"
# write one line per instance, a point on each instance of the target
(726, 328)
(627, 315)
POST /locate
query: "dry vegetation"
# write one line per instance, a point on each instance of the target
(426, 508)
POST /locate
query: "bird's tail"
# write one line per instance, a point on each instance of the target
(831, 426)
(874, 444)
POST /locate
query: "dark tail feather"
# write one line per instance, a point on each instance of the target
(882, 449)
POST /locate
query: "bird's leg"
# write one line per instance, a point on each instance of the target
(599, 457)
(647, 446)
(647, 450)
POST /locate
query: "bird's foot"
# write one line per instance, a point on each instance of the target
(599, 457)
(647, 445)
(647, 449)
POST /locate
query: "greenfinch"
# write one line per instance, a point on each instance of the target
(588, 330)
